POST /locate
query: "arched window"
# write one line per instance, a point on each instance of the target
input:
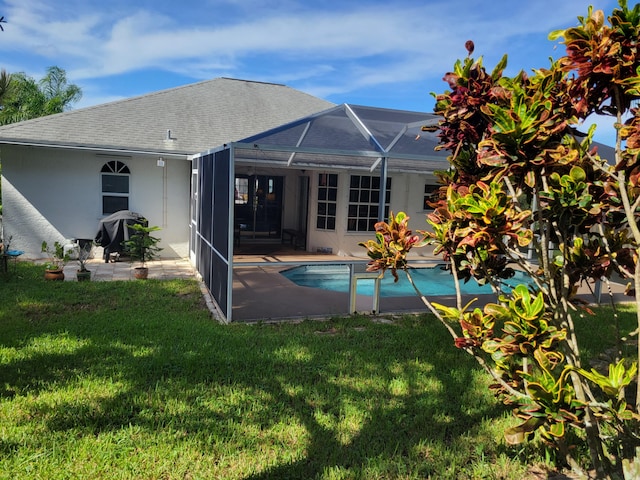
(115, 187)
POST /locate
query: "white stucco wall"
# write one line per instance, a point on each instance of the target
(55, 194)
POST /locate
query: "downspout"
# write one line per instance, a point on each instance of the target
(165, 188)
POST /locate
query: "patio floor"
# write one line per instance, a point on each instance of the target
(159, 269)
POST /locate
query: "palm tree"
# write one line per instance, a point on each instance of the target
(5, 78)
(5, 82)
(25, 98)
(57, 92)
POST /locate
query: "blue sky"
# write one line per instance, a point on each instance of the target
(383, 53)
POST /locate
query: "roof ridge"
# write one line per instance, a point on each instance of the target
(250, 81)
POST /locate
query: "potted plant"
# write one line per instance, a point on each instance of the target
(142, 246)
(85, 249)
(54, 268)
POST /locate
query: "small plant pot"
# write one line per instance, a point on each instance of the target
(57, 274)
(141, 273)
(83, 275)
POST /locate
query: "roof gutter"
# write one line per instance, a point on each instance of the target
(119, 151)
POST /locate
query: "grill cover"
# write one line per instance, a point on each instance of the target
(113, 231)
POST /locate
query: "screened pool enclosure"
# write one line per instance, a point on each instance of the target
(291, 184)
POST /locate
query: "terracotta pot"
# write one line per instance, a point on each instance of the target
(83, 275)
(57, 274)
(141, 273)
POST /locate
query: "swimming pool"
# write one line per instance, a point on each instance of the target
(430, 281)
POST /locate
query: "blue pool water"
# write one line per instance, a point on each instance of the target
(430, 281)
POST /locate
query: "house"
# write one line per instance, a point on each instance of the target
(216, 165)
(61, 174)
(295, 158)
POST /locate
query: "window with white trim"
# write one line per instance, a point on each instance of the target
(115, 187)
(327, 201)
(364, 204)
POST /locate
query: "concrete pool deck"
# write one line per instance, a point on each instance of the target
(261, 293)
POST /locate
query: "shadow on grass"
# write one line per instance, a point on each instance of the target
(356, 390)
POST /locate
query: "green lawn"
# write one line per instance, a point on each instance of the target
(134, 380)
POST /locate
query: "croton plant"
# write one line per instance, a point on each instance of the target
(527, 190)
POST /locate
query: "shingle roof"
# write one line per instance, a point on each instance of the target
(199, 116)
